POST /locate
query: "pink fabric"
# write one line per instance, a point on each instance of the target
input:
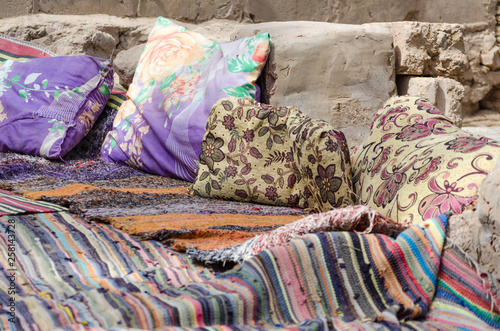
(358, 218)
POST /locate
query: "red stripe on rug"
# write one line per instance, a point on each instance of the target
(20, 49)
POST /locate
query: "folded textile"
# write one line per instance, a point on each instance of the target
(15, 49)
(352, 218)
(148, 206)
(73, 275)
(11, 204)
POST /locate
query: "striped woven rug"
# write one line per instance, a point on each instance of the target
(11, 204)
(147, 206)
(72, 275)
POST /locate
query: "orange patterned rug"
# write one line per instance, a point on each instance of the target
(155, 207)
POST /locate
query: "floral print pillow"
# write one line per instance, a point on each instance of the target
(416, 164)
(180, 75)
(273, 155)
(47, 105)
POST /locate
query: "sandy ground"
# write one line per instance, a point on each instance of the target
(484, 122)
(484, 118)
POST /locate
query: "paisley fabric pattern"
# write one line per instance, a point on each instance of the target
(273, 155)
(416, 164)
(180, 75)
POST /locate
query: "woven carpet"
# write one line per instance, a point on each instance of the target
(358, 218)
(72, 275)
(148, 206)
(11, 204)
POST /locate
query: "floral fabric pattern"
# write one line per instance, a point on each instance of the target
(416, 164)
(273, 155)
(47, 105)
(3, 113)
(180, 75)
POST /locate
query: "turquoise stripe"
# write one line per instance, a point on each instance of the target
(82, 265)
(417, 256)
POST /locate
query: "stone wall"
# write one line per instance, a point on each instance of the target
(258, 11)
(485, 58)
(340, 73)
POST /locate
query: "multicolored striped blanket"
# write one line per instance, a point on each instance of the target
(70, 274)
(11, 204)
(148, 206)
(15, 49)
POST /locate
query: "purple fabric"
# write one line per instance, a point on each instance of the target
(43, 173)
(47, 105)
(180, 75)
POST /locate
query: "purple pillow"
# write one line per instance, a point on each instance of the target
(180, 75)
(47, 105)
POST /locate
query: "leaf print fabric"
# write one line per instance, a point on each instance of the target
(3, 113)
(416, 164)
(47, 105)
(180, 75)
(272, 155)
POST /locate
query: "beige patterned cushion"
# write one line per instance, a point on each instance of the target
(273, 155)
(416, 164)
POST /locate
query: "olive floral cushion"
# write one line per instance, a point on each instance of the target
(416, 164)
(272, 155)
(180, 75)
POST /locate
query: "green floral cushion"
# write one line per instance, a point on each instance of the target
(273, 155)
(416, 164)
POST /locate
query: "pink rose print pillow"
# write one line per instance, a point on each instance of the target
(180, 75)
(416, 164)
